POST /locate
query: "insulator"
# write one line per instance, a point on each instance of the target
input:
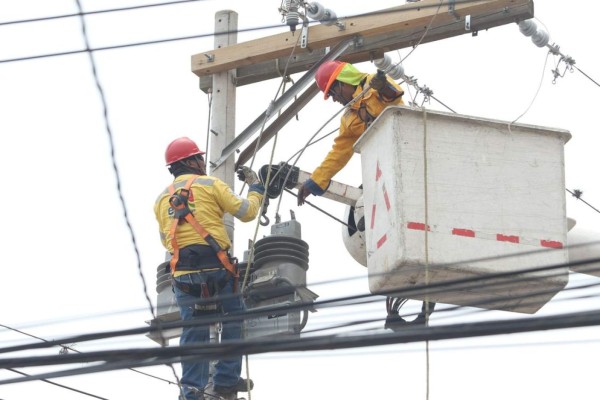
(280, 265)
(315, 11)
(528, 27)
(292, 18)
(330, 17)
(540, 38)
(383, 63)
(396, 72)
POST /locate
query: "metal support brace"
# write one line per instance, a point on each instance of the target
(336, 191)
(304, 35)
(335, 52)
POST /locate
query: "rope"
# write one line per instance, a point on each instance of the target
(426, 199)
(534, 97)
(266, 185)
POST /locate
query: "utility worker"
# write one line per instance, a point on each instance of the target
(344, 83)
(202, 283)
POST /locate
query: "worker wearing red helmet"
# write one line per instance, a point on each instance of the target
(344, 82)
(202, 281)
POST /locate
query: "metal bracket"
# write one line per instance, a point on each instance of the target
(452, 9)
(304, 35)
(359, 42)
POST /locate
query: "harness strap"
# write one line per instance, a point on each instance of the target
(183, 214)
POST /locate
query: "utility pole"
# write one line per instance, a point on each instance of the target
(222, 128)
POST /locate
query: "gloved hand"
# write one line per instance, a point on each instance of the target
(379, 81)
(303, 193)
(245, 174)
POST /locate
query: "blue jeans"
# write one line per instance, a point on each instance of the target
(195, 373)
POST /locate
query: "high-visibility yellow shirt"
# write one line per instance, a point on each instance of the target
(210, 198)
(351, 128)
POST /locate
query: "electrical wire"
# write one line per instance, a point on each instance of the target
(586, 75)
(535, 95)
(116, 171)
(111, 365)
(449, 309)
(577, 194)
(113, 159)
(59, 385)
(267, 181)
(111, 10)
(464, 283)
(190, 37)
(342, 280)
(143, 357)
(475, 283)
(65, 349)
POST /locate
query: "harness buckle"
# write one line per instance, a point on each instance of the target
(179, 202)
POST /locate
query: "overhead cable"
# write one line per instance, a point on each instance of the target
(111, 10)
(146, 357)
(347, 300)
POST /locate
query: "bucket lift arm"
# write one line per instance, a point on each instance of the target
(280, 178)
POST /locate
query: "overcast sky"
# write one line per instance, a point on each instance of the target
(71, 266)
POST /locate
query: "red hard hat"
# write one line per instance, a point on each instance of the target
(181, 148)
(326, 75)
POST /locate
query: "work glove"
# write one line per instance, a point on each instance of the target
(303, 193)
(245, 174)
(379, 81)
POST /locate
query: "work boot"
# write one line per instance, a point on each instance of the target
(243, 385)
(212, 392)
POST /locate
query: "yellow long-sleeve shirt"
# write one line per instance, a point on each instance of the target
(209, 200)
(352, 126)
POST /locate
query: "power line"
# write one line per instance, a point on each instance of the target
(117, 175)
(70, 348)
(577, 194)
(111, 10)
(586, 75)
(260, 347)
(144, 357)
(59, 385)
(112, 156)
(181, 38)
(346, 301)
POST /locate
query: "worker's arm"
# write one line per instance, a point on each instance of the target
(244, 209)
(341, 152)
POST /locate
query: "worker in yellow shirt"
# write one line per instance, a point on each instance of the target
(190, 218)
(345, 84)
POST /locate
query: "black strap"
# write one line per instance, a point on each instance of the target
(205, 290)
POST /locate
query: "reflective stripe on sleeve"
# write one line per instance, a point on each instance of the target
(243, 208)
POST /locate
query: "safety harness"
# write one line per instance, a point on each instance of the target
(183, 214)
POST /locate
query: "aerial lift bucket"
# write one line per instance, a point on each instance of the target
(464, 210)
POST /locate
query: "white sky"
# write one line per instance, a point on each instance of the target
(69, 263)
